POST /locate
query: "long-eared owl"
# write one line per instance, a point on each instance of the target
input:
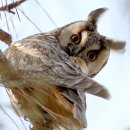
(57, 69)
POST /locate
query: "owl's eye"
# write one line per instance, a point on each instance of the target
(75, 39)
(91, 55)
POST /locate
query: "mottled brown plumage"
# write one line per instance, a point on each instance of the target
(56, 69)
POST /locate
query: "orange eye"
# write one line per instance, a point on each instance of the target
(92, 55)
(75, 39)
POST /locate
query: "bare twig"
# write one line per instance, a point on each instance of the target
(13, 26)
(9, 117)
(5, 37)
(9, 7)
(46, 13)
(5, 15)
(33, 23)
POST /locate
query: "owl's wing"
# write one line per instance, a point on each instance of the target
(43, 62)
(40, 61)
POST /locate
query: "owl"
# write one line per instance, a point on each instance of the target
(54, 70)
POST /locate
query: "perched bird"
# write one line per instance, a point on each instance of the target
(55, 69)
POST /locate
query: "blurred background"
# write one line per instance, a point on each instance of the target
(35, 16)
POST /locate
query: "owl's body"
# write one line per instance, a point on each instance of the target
(35, 64)
(56, 67)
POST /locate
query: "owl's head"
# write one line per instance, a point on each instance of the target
(81, 39)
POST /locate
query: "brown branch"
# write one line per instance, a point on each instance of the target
(5, 37)
(11, 6)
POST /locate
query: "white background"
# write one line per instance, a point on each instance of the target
(101, 114)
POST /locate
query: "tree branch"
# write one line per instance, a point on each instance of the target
(12, 5)
(5, 37)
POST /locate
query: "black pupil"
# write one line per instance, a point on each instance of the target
(75, 38)
(91, 56)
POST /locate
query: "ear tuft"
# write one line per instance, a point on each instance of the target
(118, 46)
(95, 14)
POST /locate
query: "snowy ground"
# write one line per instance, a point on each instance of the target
(101, 115)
